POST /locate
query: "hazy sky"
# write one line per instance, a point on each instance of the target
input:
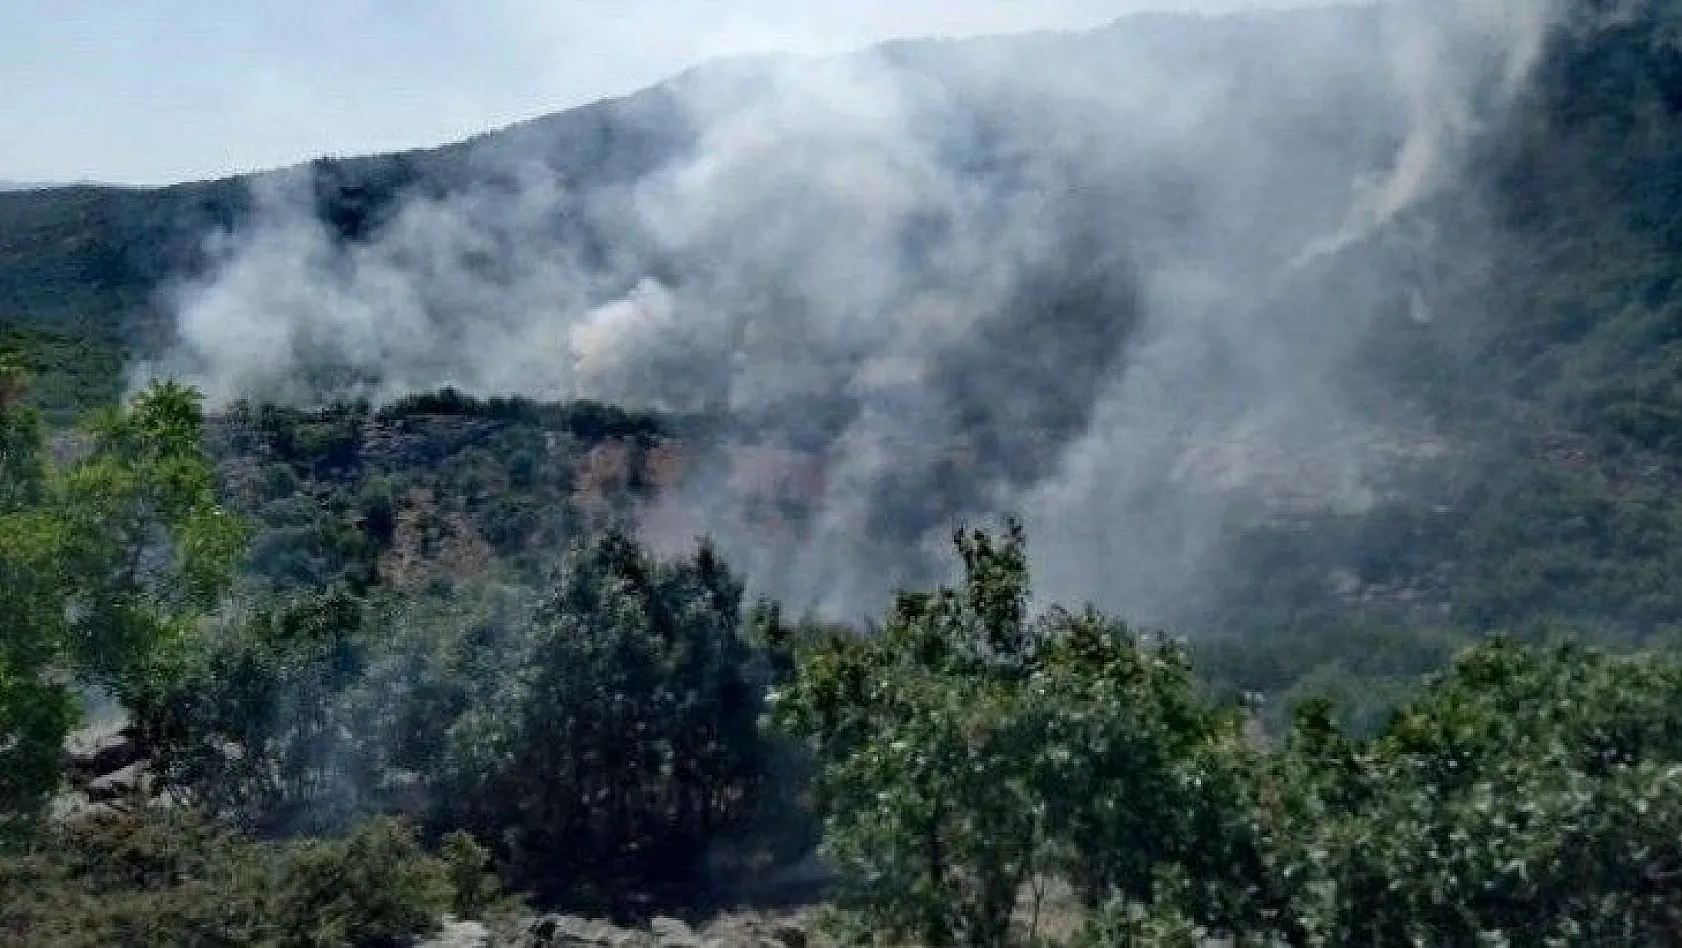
(150, 91)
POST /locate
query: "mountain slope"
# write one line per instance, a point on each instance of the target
(1260, 320)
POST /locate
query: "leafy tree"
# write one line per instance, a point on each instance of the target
(475, 888)
(608, 735)
(1527, 797)
(969, 750)
(269, 723)
(625, 743)
(106, 562)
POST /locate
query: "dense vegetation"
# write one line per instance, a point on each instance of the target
(108, 562)
(625, 731)
(972, 753)
(165, 878)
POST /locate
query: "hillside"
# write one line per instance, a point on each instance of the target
(1461, 416)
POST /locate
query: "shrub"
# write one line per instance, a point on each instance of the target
(161, 877)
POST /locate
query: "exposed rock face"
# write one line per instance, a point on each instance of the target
(106, 769)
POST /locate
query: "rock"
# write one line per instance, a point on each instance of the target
(456, 934)
(569, 931)
(667, 929)
(130, 781)
(92, 754)
(675, 933)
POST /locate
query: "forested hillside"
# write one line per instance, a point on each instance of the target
(1547, 355)
(563, 519)
(1495, 352)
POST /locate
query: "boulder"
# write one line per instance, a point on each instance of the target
(456, 934)
(92, 754)
(570, 931)
(674, 933)
(131, 781)
(789, 935)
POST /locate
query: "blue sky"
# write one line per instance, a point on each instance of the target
(155, 91)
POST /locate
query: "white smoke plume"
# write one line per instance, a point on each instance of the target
(1437, 54)
(927, 282)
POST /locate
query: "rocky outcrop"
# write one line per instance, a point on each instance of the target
(457, 934)
(95, 753)
(733, 931)
(106, 770)
(129, 782)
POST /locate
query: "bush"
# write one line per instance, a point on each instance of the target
(1527, 797)
(475, 889)
(375, 888)
(176, 878)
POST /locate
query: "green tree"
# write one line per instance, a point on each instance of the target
(271, 721)
(1527, 797)
(970, 750)
(106, 562)
(624, 744)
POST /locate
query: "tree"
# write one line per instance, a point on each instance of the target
(105, 564)
(970, 749)
(624, 745)
(1527, 797)
(270, 722)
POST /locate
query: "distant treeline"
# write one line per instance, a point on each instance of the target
(584, 418)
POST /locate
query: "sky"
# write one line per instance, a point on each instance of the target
(160, 91)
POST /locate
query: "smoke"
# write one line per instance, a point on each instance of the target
(929, 282)
(1438, 54)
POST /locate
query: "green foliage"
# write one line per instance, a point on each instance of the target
(968, 750)
(148, 542)
(374, 888)
(589, 420)
(623, 745)
(1528, 797)
(106, 563)
(437, 489)
(603, 744)
(265, 724)
(176, 878)
(605, 739)
(73, 374)
(1129, 925)
(155, 879)
(475, 888)
(1368, 668)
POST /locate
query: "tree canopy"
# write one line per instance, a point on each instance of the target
(107, 560)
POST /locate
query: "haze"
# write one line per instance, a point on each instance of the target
(160, 91)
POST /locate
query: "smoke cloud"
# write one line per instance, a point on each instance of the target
(1043, 275)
